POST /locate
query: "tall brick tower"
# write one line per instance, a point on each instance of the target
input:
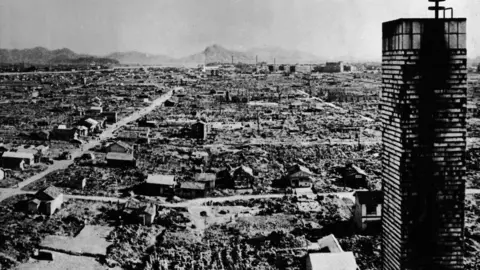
(423, 112)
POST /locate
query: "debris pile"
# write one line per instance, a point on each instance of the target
(130, 242)
(22, 232)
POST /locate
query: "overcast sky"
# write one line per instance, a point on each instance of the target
(330, 28)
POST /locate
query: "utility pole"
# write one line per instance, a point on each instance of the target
(220, 106)
(258, 122)
(359, 134)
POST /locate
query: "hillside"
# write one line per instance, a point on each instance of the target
(211, 54)
(43, 56)
(282, 56)
(217, 54)
(140, 58)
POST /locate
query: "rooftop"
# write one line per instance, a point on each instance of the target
(331, 243)
(91, 122)
(246, 169)
(200, 123)
(358, 169)
(297, 168)
(160, 179)
(148, 209)
(192, 185)
(22, 155)
(333, 261)
(51, 191)
(425, 19)
(122, 144)
(119, 156)
(205, 177)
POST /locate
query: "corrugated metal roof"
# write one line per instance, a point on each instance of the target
(36, 201)
(119, 156)
(205, 177)
(358, 169)
(51, 191)
(192, 185)
(19, 155)
(246, 169)
(91, 122)
(160, 179)
(297, 168)
(122, 144)
(331, 243)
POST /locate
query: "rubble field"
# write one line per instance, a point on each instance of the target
(58, 99)
(285, 111)
(90, 240)
(22, 232)
(263, 122)
(264, 234)
(268, 163)
(257, 234)
(101, 180)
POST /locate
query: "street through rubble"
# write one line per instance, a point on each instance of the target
(106, 134)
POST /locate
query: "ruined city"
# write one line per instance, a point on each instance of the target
(244, 159)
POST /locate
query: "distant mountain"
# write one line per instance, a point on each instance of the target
(211, 54)
(40, 55)
(282, 56)
(140, 58)
(217, 54)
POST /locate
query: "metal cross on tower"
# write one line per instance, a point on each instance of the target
(437, 7)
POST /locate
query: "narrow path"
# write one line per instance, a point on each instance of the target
(205, 202)
(95, 198)
(202, 201)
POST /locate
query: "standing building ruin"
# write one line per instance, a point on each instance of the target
(423, 112)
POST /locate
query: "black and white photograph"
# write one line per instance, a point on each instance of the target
(239, 135)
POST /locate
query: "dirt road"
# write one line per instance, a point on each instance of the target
(201, 201)
(95, 198)
(106, 134)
